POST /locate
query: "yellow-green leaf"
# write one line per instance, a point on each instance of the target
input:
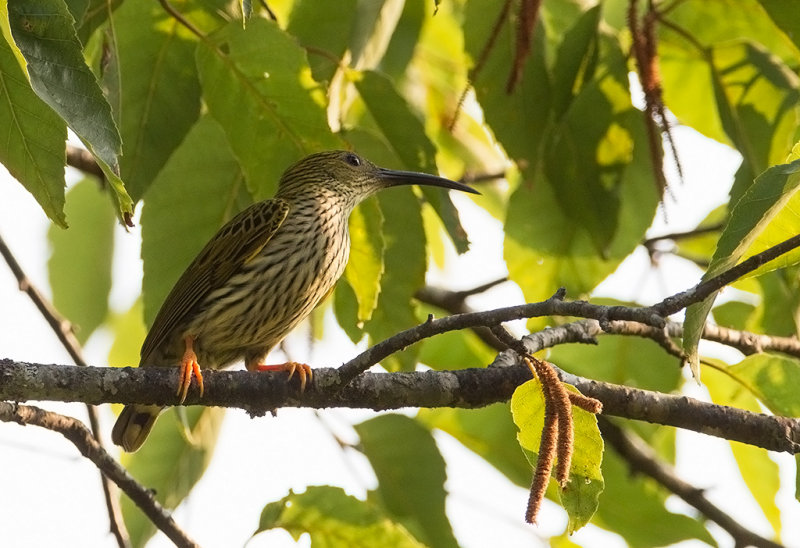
(80, 266)
(580, 498)
(365, 266)
(322, 510)
(765, 215)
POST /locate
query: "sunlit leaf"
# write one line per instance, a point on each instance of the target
(33, 147)
(258, 86)
(580, 496)
(365, 266)
(323, 509)
(405, 134)
(404, 258)
(765, 215)
(327, 43)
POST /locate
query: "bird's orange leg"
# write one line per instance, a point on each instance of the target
(303, 371)
(189, 367)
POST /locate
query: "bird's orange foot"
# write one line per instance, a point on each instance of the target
(189, 367)
(303, 371)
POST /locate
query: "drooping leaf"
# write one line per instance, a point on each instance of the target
(411, 476)
(405, 134)
(45, 35)
(404, 257)
(193, 196)
(80, 266)
(365, 265)
(765, 215)
(154, 89)
(33, 147)
(323, 509)
(580, 496)
(258, 86)
(170, 463)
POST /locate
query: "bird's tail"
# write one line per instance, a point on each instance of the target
(133, 425)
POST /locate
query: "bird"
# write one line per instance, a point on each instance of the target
(260, 275)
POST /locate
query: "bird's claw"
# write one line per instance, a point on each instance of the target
(304, 372)
(189, 368)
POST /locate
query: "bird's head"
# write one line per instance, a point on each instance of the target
(346, 175)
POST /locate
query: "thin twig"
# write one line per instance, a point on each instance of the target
(82, 159)
(643, 459)
(704, 289)
(181, 19)
(79, 435)
(64, 332)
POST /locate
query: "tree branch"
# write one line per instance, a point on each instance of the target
(704, 289)
(258, 393)
(642, 459)
(80, 436)
(64, 332)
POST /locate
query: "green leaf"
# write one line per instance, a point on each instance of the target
(755, 93)
(171, 462)
(576, 59)
(405, 134)
(323, 509)
(193, 196)
(580, 496)
(520, 120)
(489, 432)
(80, 266)
(630, 361)
(455, 350)
(759, 472)
(404, 258)
(154, 89)
(345, 306)
(96, 13)
(129, 333)
(33, 146)
(411, 476)
(404, 39)
(765, 215)
(329, 41)
(571, 223)
(772, 379)
(45, 35)
(634, 506)
(258, 86)
(365, 265)
(779, 11)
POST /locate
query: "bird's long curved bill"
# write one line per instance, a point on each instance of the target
(393, 178)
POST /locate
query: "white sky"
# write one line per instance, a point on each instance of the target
(51, 496)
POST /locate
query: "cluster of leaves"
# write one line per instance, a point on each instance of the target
(196, 112)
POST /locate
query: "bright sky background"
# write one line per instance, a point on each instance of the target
(51, 496)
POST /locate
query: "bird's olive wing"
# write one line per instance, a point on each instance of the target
(236, 243)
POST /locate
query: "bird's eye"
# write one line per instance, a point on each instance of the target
(353, 160)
